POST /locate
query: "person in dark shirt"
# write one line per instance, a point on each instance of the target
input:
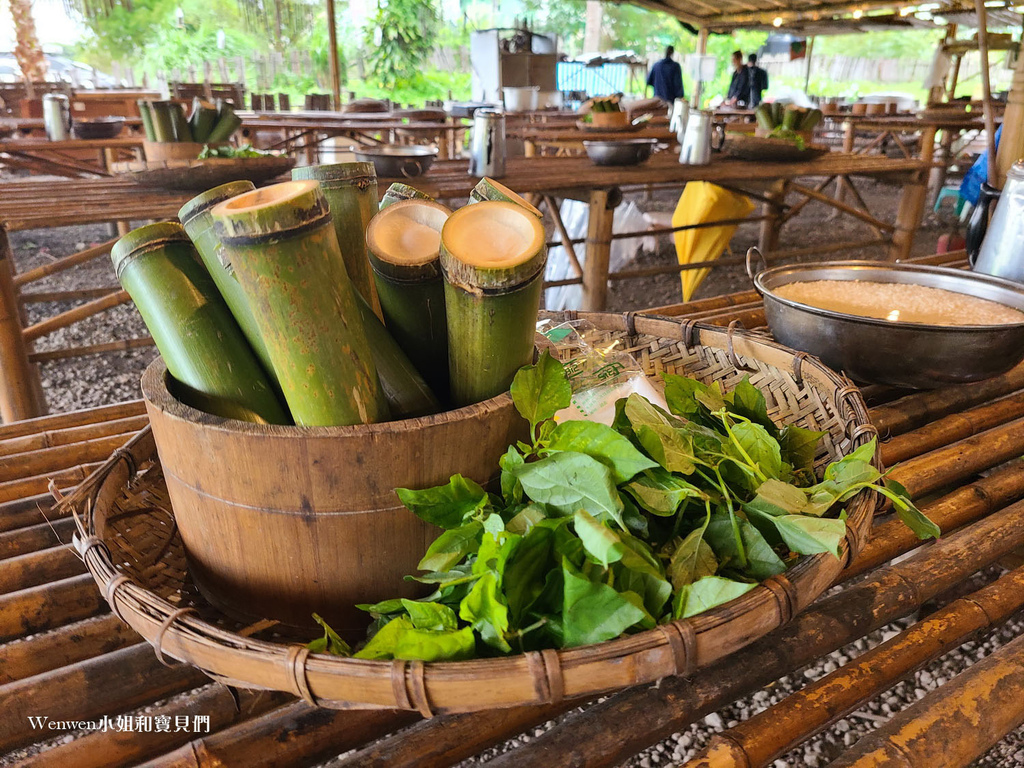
(666, 78)
(739, 86)
(758, 79)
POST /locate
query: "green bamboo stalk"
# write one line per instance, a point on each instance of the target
(489, 189)
(227, 123)
(398, 192)
(201, 343)
(410, 285)
(351, 193)
(179, 123)
(146, 113)
(284, 251)
(492, 255)
(202, 120)
(163, 125)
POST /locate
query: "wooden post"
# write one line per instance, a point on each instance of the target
(702, 49)
(332, 54)
(995, 178)
(599, 249)
(772, 210)
(807, 70)
(954, 77)
(1011, 143)
(17, 399)
(908, 219)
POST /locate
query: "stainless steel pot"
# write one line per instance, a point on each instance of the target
(620, 151)
(396, 162)
(878, 351)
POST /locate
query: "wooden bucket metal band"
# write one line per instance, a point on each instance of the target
(546, 670)
(785, 596)
(730, 349)
(682, 640)
(297, 655)
(158, 638)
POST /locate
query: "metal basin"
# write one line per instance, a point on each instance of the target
(98, 127)
(878, 351)
(620, 151)
(395, 162)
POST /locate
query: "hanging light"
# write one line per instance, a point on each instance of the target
(858, 13)
(777, 21)
(906, 10)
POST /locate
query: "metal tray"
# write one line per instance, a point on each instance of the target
(878, 351)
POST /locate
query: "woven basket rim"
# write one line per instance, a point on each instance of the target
(545, 677)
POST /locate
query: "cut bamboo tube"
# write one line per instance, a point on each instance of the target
(920, 408)
(284, 251)
(116, 749)
(410, 286)
(106, 685)
(770, 734)
(73, 419)
(293, 735)
(163, 122)
(72, 316)
(492, 256)
(489, 190)
(654, 712)
(146, 113)
(50, 605)
(350, 190)
(204, 348)
(35, 537)
(960, 460)
(954, 427)
(28, 486)
(52, 438)
(39, 567)
(43, 460)
(953, 725)
(64, 646)
(398, 192)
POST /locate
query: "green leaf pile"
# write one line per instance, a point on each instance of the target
(600, 531)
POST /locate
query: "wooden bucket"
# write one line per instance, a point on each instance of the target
(280, 522)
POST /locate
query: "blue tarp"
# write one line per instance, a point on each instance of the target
(970, 188)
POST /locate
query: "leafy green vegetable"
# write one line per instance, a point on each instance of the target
(706, 593)
(594, 611)
(331, 642)
(446, 506)
(568, 481)
(243, 151)
(602, 443)
(452, 546)
(540, 391)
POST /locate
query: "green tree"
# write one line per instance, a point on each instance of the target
(398, 40)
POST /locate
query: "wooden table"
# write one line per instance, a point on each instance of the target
(68, 157)
(565, 140)
(79, 662)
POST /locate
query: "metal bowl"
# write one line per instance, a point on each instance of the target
(395, 162)
(98, 127)
(619, 151)
(877, 351)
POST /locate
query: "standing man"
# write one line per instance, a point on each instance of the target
(758, 81)
(666, 78)
(739, 86)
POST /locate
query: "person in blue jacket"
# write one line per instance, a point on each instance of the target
(666, 78)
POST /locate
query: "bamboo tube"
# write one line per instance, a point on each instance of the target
(654, 712)
(198, 224)
(202, 120)
(490, 190)
(73, 419)
(116, 749)
(179, 124)
(146, 113)
(51, 605)
(227, 123)
(43, 460)
(163, 122)
(956, 426)
(308, 314)
(27, 486)
(105, 685)
(39, 567)
(53, 438)
(954, 724)
(64, 646)
(398, 192)
(410, 286)
(292, 735)
(955, 462)
(920, 408)
(492, 295)
(204, 348)
(35, 537)
(770, 734)
(350, 190)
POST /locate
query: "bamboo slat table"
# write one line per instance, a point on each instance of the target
(63, 656)
(70, 157)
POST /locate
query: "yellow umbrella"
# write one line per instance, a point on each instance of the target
(700, 202)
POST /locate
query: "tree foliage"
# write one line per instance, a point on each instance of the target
(398, 40)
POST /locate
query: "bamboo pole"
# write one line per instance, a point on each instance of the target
(104, 685)
(71, 316)
(770, 734)
(73, 419)
(37, 462)
(908, 216)
(44, 297)
(332, 55)
(1011, 141)
(654, 712)
(297, 734)
(53, 438)
(51, 605)
(30, 510)
(120, 345)
(64, 646)
(115, 749)
(65, 478)
(920, 408)
(994, 177)
(598, 253)
(952, 725)
(39, 536)
(40, 567)
(17, 395)
(949, 429)
(66, 262)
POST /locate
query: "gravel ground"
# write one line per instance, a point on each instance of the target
(101, 379)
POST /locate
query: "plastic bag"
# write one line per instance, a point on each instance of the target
(599, 370)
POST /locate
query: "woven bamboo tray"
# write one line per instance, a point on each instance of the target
(764, 149)
(200, 175)
(128, 540)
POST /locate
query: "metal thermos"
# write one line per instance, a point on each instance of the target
(696, 143)
(487, 148)
(1002, 250)
(678, 118)
(57, 116)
